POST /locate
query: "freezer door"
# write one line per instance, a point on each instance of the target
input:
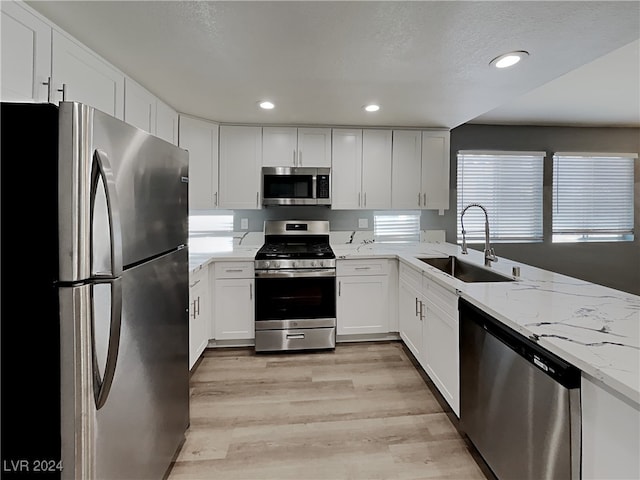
(125, 372)
(122, 194)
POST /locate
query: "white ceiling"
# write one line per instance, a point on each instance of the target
(425, 62)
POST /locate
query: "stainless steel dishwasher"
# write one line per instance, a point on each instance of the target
(519, 404)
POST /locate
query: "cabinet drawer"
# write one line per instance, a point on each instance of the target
(362, 267)
(441, 297)
(234, 270)
(411, 276)
(199, 277)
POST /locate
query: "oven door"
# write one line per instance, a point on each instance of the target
(295, 301)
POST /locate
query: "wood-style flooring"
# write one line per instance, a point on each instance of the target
(362, 411)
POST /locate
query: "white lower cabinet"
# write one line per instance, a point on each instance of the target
(362, 302)
(234, 301)
(428, 324)
(199, 314)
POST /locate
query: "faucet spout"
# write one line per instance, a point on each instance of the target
(489, 253)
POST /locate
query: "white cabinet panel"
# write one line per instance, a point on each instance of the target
(346, 169)
(376, 169)
(167, 123)
(234, 309)
(362, 304)
(200, 139)
(410, 300)
(199, 314)
(435, 170)
(139, 107)
(81, 76)
(314, 147)
(279, 146)
(406, 174)
(25, 54)
(240, 166)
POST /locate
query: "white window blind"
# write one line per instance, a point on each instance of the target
(399, 227)
(211, 233)
(593, 196)
(509, 186)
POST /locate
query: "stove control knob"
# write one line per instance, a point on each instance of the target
(314, 264)
(266, 264)
(276, 264)
(294, 264)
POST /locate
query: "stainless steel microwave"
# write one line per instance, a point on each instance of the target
(296, 186)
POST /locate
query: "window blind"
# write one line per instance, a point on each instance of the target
(209, 233)
(400, 227)
(593, 196)
(509, 186)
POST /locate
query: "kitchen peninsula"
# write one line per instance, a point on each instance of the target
(594, 328)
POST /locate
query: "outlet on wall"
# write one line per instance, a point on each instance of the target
(244, 223)
(363, 223)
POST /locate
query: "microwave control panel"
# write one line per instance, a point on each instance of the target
(322, 186)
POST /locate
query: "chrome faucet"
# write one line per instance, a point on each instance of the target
(489, 253)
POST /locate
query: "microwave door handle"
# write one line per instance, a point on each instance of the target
(102, 386)
(101, 169)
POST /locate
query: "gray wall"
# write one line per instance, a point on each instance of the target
(613, 264)
(616, 264)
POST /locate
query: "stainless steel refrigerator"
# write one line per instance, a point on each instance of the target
(95, 341)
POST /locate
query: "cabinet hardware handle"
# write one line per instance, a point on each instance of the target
(362, 268)
(257, 199)
(48, 84)
(198, 305)
(424, 198)
(358, 198)
(250, 291)
(416, 306)
(299, 158)
(193, 310)
(418, 199)
(421, 311)
(63, 90)
(365, 199)
(233, 270)
(194, 283)
(294, 158)
(339, 288)
(215, 201)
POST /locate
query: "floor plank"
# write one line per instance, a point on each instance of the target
(361, 411)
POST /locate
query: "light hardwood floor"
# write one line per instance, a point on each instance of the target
(362, 411)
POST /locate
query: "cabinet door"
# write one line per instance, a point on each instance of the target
(435, 170)
(234, 309)
(279, 146)
(409, 318)
(346, 169)
(25, 54)
(441, 353)
(376, 169)
(139, 106)
(240, 166)
(406, 169)
(363, 304)
(199, 315)
(82, 76)
(167, 124)
(200, 139)
(314, 147)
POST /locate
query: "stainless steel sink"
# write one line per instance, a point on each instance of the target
(467, 272)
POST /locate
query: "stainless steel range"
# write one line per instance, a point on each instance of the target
(295, 287)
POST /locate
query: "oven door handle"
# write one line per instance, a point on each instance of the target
(297, 273)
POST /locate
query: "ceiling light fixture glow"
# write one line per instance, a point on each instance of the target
(508, 59)
(266, 105)
(372, 108)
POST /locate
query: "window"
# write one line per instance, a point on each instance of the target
(211, 233)
(398, 227)
(593, 197)
(509, 186)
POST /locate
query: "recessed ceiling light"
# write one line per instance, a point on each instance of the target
(266, 105)
(508, 59)
(372, 108)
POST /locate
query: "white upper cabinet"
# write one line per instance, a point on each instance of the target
(240, 166)
(167, 123)
(346, 169)
(420, 169)
(406, 169)
(79, 75)
(435, 169)
(139, 106)
(376, 169)
(361, 169)
(296, 147)
(200, 139)
(25, 55)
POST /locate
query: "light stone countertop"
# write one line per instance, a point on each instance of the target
(595, 328)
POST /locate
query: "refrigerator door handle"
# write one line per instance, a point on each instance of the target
(102, 386)
(101, 169)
